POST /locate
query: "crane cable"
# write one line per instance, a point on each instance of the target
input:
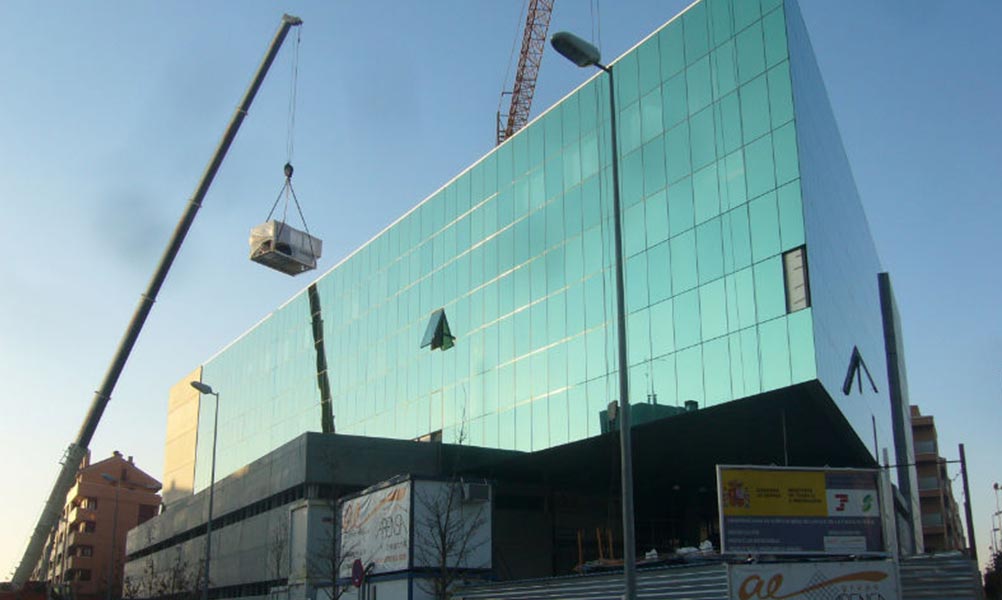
(287, 190)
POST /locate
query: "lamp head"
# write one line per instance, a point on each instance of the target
(575, 49)
(202, 388)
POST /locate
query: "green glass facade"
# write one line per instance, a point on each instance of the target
(518, 251)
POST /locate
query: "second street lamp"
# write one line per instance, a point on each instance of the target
(207, 390)
(584, 54)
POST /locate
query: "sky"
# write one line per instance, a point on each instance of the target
(109, 112)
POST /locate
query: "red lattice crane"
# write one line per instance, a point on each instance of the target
(537, 23)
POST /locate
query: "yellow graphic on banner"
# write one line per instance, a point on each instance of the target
(764, 493)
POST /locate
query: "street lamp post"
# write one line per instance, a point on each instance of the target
(584, 54)
(205, 389)
(114, 532)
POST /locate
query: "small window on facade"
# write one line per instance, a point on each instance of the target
(85, 550)
(84, 575)
(88, 526)
(90, 503)
(798, 294)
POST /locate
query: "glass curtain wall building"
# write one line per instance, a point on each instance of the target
(749, 265)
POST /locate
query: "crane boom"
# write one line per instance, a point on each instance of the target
(76, 451)
(537, 23)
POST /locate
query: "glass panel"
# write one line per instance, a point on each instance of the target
(791, 215)
(677, 144)
(702, 139)
(627, 86)
(634, 229)
(706, 197)
(672, 46)
(717, 371)
(696, 36)
(764, 218)
(654, 166)
(636, 282)
(675, 105)
(713, 308)
(577, 408)
(750, 361)
(737, 240)
(698, 83)
(780, 94)
(770, 290)
(689, 366)
(723, 65)
(650, 114)
(657, 218)
(721, 23)
(801, 330)
(759, 166)
(751, 54)
(649, 65)
(629, 129)
(774, 27)
(709, 251)
(743, 284)
(683, 261)
(775, 354)
(663, 380)
(680, 207)
(687, 320)
(662, 317)
(754, 108)
(784, 142)
(745, 12)
(559, 431)
(540, 424)
(732, 181)
(658, 273)
(638, 345)
(631, 180)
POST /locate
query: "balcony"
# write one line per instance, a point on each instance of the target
(82, 538)
(80, 513)
(80, 562)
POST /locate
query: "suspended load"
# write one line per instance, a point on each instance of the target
(278, 245)
(284, 248)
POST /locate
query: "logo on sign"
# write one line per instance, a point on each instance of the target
(755, 587)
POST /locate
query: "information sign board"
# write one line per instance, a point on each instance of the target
(782, 510)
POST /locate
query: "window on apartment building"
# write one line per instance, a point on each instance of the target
(88, 526)
(85, 550)
(89, 503)
(798, 293)
(83, 575)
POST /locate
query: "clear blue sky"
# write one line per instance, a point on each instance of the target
(109, 112)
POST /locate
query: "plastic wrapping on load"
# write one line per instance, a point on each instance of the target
(284, 248)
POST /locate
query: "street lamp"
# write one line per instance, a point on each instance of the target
(584, 54)
(114, 531)
(205, 389)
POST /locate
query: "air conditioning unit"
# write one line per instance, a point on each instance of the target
(476, 492)
(277, 245)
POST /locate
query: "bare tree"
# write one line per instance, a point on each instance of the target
(447, 535)
(180, 580)
(329, 562)
(278, 551)
(447, 530)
